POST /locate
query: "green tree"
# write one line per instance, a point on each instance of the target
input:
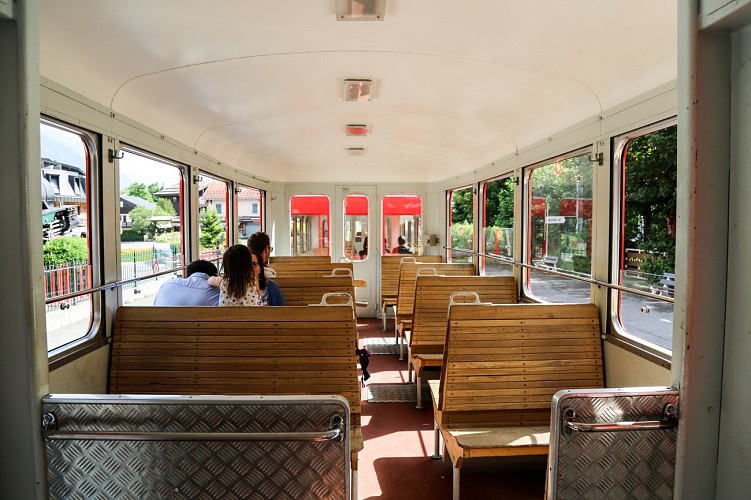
(165, 207)
(139, 190)
(212, 229)
(461, 206)
(651, 180)
(499, 203)
(65, 249)
(141, 220)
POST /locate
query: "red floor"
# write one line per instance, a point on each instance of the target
(396, 463)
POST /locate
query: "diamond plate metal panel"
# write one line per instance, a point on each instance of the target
(625, 464)
(105, 469)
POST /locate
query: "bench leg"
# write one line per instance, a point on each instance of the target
(383, 318)
(456, 483)
(354, 484)
(401, 347)
(436, 441)
(409, 372)
(418, 382)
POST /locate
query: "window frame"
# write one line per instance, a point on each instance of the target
(616, 331)
(418, 245)
(326, 236)
(482, 208)
(450, 218)
(527, 200)
(95, 337)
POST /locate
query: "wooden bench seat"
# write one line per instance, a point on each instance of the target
(406, 293)
(304, 290)
(302, 259)
(433, 295)
(310, 269)
(288, 350)
(502, 364)
(666, 286)
(390, 278)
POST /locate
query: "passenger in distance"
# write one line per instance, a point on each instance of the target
(193, 290)
(269, 291)
(402, 248)
(261, 243)
(238, 286)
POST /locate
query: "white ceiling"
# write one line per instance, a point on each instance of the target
(258, 84)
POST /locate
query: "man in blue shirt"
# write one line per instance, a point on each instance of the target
(191, 291)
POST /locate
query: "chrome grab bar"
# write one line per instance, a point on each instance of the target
(669, 420)
(335, 434)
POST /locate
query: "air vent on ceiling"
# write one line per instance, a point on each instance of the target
(355, 151)
(358, 130)
(358, 90)
(360, 10)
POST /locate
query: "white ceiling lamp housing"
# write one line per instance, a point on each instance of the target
(355, 151)
(358, 90)
(360, 10)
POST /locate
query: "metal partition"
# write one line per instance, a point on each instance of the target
(196, 447)
(613, 443)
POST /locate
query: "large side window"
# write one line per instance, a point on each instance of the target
(559, 229)
(647, 172)
(213, 215)
(497, 227)
(355, 227)
(66, 162)
(461, 227)
(249, 212)
(402, 217)
(309, 224)
(151, 224)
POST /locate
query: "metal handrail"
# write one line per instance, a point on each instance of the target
(110, 286)
(330, 435)
(592, 281)
(669, 420)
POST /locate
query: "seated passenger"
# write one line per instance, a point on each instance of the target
(261, 243)
(271, 294)
(238, 286)
(402, 248)
(194, 290)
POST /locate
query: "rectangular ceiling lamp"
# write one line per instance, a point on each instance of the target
(360, 10)
(355, 151)
(357, 130)
(358, 90)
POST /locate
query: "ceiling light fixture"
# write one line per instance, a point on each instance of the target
(360, 10)
(358, 130)
(355, 151)
(358, 90)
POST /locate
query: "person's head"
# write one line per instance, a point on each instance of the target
(237, 266)
(258, 267)
(261, 243)
(401, 240)
(201, 266)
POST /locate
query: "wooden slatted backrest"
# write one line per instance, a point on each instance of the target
(236, 351)
(408, 276)
(308, 269)
(432, 293)
(305, 290)
(289, 259)
(503, 363)
(390, 270)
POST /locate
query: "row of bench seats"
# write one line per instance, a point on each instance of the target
(500, 368)
(289, 350)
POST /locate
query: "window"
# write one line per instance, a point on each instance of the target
(66, 154)
(355, 227)
(497, 227)
(402, 217)
(646, 163)
(309, 224)
(213, 235)
(461, 227)
(151, 196)
(559, 232)
(249, 218)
